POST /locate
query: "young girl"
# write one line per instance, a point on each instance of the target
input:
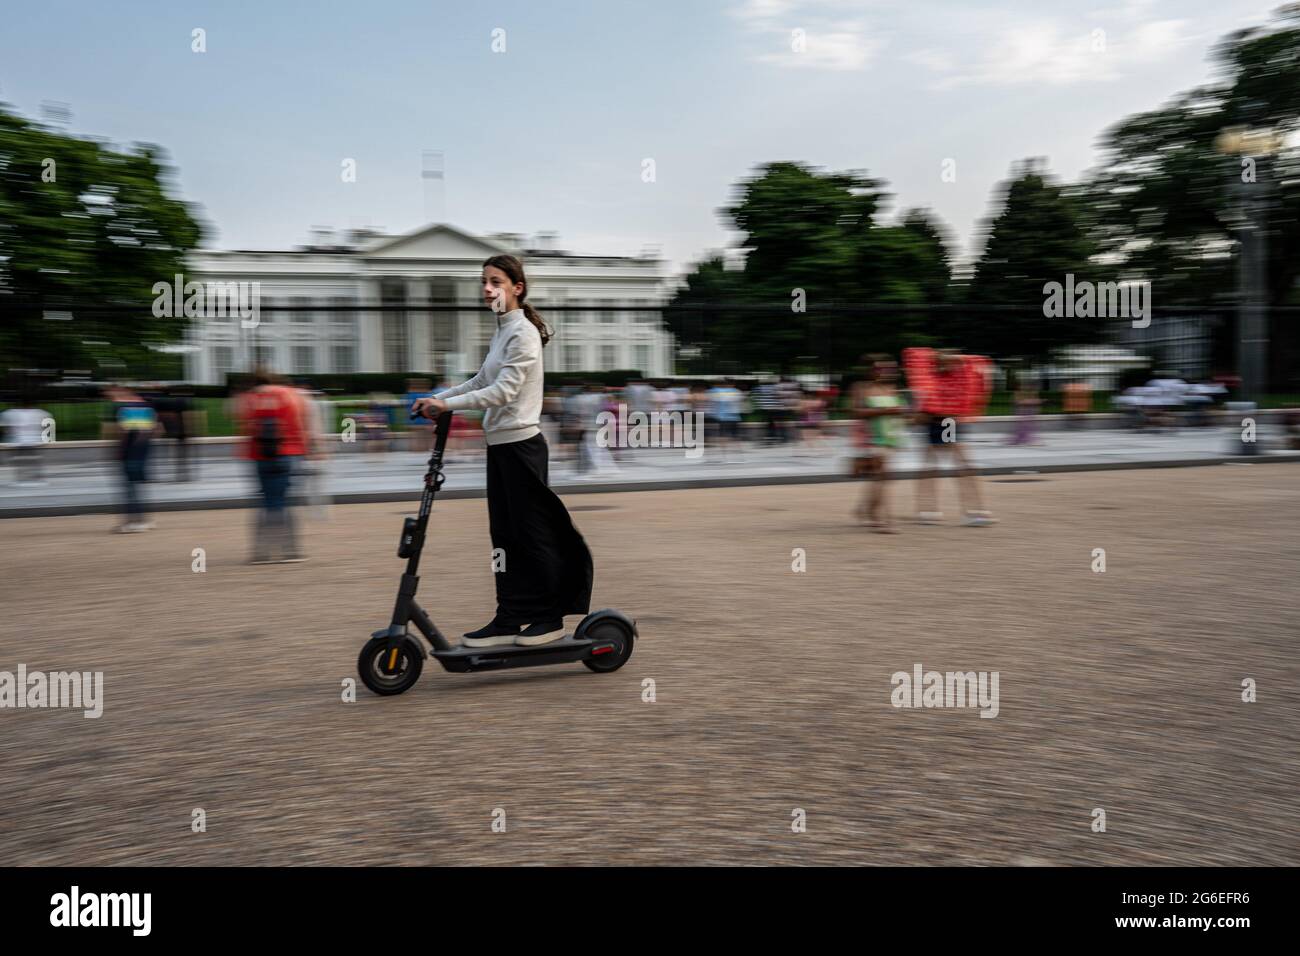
(548, 570)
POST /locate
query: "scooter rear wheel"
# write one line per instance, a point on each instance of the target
(387, 673)
(604, 633)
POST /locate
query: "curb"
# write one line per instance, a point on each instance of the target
(674, 484)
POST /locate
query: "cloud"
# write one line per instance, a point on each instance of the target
(847, 48)
(1048, 53)
(762, 11)
(808, 34)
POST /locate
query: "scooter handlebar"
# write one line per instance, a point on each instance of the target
(443, 429)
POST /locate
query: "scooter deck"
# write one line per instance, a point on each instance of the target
(565, 650)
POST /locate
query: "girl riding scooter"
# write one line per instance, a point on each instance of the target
(547, 568)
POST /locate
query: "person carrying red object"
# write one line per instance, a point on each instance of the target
(948, 388)
(947, 383)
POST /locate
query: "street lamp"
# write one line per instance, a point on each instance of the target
(1252, 257)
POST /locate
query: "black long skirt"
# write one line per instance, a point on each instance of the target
(547, 565)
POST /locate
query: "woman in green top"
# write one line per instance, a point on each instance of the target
(877, 405)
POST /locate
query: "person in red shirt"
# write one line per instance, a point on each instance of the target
(273, 422)
(948, 388)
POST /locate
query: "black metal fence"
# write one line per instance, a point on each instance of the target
(356, 339)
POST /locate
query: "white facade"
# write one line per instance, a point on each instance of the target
(437, 263)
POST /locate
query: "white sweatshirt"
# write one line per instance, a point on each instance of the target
(509, 385)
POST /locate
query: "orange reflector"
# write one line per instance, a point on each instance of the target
(392, 660)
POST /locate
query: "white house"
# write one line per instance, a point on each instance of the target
(438, 264)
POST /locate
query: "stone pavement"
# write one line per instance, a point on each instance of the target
(773, 688)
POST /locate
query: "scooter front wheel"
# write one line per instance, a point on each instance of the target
(388, 670)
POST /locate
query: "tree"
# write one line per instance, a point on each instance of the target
(812, 239)
(1165, 200)
(84, 225)
(1036, 237)
(696, 321)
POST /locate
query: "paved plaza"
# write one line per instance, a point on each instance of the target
(773, 690)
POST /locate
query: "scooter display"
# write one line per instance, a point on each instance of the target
(391, 661)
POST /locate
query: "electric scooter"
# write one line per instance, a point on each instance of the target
(391, 661)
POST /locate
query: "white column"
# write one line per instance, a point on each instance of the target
(419, 324)
(370, 346)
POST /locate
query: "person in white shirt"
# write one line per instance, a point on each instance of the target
(26, 431)
(547, 568)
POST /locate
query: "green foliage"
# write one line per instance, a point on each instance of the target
(817, 232)
(83, 223)
(1036, 237)
(1166, 200)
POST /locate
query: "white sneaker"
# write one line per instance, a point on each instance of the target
(540, 633)
(978, 519)
(499, 640)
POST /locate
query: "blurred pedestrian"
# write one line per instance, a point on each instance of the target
(175, 414)
(948, 387)
(639, 396)
(725, 402)
(812, 414)
(1026, 408)
(1291, 429)
(273, 421)
(132, 424)
(767, 401)
(374, 423)
(317, 461)
(421, 431)
(1076, 402)
(25, 431)
(878, 407)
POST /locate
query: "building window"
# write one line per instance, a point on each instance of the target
(555, 320)
(304, 363)
(394, 328)
(572, 358)
(607, 359)
(302, 313)
(223, 362)
(395, 342)
(343, 322)
(443, 324)
(264, 355)
(345, 358)
(643, 359)
(608, 316)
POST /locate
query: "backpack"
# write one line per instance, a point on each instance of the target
(267, 431)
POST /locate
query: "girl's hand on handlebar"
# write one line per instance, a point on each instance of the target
(428, 407)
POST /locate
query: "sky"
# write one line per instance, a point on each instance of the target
(545, 113)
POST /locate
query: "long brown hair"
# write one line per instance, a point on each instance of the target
(514, 269)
